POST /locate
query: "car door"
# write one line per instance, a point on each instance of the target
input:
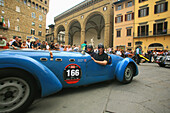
(93, 69)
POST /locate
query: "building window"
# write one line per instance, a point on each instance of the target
(42, 9)
(17, 9)
(33, 4)
(161, 7)
(36, 6)
(3, 11)
(32, 32)
(129, 17)
(25, 1)
(41, 0)
(33, 15)
(129, 44)
(45, 11)
(118, 33)
(138, 43)
(142, 1)
(129, 4)
(128, 32)
(40, 26)
(40, 18)
(29, 2)
(119, 19)
(45, 2)
(17, 28)
(17, 19)
(39, 33)
(39, 8)
(105, 8)
(119, 7)
(143, 12)
(33, 23)
(143, 30)
(160, 28)
(1, 2)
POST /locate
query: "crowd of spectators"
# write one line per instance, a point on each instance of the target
(18, 43)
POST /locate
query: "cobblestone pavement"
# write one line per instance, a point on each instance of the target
(149, 92)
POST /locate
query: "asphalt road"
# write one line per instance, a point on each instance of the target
(149, 92)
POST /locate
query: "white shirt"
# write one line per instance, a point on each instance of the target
(29, 44)
(118, 53)
(47, 47)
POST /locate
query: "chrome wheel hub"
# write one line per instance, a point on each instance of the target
(128, 73)
(13, 93)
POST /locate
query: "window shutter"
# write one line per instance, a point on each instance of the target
(138, 30)
(154, 29)
(31, 31)
(147, 11)
(138, 13)
(122, 18)
(132, 16)
(115, 19)
(166, 6)
(125, 17)
(165, 25)
(155, 10)
(147, 30)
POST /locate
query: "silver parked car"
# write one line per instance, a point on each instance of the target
(163, 60)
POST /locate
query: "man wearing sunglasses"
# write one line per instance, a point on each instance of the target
(100, 58)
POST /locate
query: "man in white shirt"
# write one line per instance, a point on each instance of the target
(118, 52)
(28, 43)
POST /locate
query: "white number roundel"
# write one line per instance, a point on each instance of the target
(72, 73)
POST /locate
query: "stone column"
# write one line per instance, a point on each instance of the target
(82, 36)
(66, 38)
(107, 35)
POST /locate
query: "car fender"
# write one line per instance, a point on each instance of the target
(121, 66)
(49, 83)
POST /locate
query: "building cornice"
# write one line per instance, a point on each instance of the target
(78, 7)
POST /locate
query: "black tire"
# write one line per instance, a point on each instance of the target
(17, 90)
(128, 74)
(161, 65)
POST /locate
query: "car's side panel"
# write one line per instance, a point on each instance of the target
(58, 68)
(48, 81)
(121, 66)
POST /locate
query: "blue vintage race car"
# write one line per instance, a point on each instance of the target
(28, 74)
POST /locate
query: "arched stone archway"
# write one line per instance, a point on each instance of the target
(154, 46)
(94, 28)
(74, 33)
(60, 34)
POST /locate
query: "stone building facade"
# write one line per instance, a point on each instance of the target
(89, 20)
(50, 34)
(24, 18)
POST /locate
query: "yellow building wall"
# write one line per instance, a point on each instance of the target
(124, 39)
(164, 40)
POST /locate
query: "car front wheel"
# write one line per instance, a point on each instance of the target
(128, 74)
(17, 91)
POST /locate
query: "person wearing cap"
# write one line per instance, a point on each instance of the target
(100, 58)
(90, 50)
(84, 46)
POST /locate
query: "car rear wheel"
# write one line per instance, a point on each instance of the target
(128, 74)
(17, 91)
